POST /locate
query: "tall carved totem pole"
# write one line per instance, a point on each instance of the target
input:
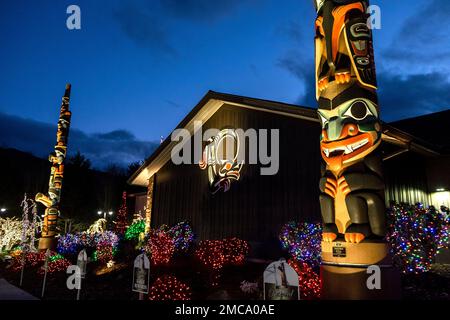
(352, 187)
(52, 200)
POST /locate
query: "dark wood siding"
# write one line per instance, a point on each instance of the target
(406, 179)
(256, 206)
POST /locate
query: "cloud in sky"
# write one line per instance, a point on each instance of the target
(412, 95)
(200, 10)
(117, 147)
(422, 45)
(152, 24)
(144, 28)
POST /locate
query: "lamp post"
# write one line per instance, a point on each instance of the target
(2, 210)
(104, 213)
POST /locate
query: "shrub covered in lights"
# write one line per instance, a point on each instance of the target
(309, 281)
(416, 234)
(134, 230)
(302, 241)
(182, 236)
(56, 262)
(169, 288)
(160, 247)
(215, 254)
(104, 243)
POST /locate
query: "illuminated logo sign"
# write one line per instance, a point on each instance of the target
(220, 157)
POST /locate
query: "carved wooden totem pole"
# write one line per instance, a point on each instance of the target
(52, 200)
(352, 187)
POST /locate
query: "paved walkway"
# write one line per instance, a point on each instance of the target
(10, 292)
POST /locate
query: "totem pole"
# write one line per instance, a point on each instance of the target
(56, 158)
(352, 187)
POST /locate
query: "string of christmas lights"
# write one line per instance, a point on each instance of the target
(416, 235)
(302, 241)
(169, 288)
(309, 281)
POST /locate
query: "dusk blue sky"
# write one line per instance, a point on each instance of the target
(138, 67)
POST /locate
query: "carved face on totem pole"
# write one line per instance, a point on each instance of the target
(348, 110)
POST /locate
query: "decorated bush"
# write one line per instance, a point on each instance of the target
(36, 260)
(302, 241)
(169, 288)
(215, 254)
(182, 236)
(309, 280)
(416, 234)
(160, 247)
(135, 229)
(103, 244)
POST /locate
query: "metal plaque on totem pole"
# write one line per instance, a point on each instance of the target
(339, 250)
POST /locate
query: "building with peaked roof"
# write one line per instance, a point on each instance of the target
(255, 206)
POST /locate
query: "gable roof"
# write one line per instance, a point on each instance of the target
(432, 128)
(213, 101)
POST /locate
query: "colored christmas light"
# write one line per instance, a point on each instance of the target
(416, 234)
(309, 280)
(169, 288)
(303, 241)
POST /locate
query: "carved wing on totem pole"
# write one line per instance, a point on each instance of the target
(52, 200)
(352, 188)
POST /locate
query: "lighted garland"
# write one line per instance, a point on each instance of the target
(160, 247)
(303, 241)
(309, 281)
(169, 288)
(416, 235)
(182, 236)
(135, 230)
